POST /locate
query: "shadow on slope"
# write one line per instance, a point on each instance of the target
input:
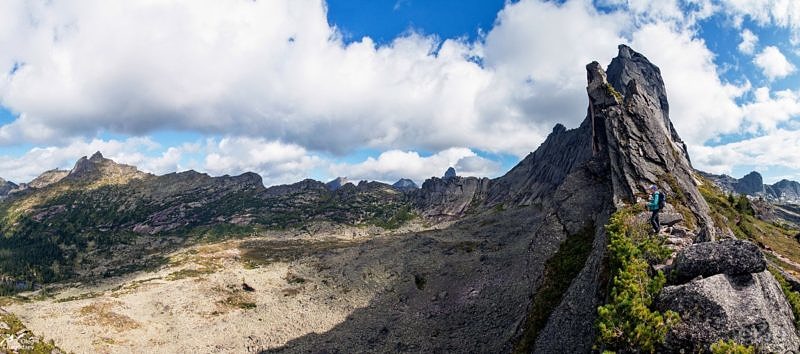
(461, 289)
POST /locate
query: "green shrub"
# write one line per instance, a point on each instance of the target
(731, 347)
(627, 322)
(559, 271)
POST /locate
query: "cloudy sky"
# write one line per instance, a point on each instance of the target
(379, 89)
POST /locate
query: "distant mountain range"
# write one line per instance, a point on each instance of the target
(752, 184)
(100, 203)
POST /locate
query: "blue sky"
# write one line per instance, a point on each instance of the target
(379, 89)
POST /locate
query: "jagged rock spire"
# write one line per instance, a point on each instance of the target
(642, 145)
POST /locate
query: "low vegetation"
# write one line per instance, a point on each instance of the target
(559, 272)
(30, 343)
(736, 212)
(731, 347)
(627, 321)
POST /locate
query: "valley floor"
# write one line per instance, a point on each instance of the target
(200, 303)
(460, 287)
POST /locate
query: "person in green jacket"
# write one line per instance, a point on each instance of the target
(653, 205)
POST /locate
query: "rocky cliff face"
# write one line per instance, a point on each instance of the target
(450, 197)
(752, 184)
(625, 144)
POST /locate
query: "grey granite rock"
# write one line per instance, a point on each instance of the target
(337, 183)
(722, 257)
(449, 197)
(751, 184)
(405, 185)
(450, 173)
(670, 218)
(747, 308)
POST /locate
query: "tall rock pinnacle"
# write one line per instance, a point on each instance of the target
(641, 143)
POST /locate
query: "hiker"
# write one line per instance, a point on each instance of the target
(654, 204)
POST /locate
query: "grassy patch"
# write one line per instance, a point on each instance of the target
(256, 253)
(14, 324)
(89, 295)
(559, 272)
(101, 314)
(610, 89)
(399, 218)
(737, 215)
(191, 272)
(239, 301)
(627, 322)
(731, 347)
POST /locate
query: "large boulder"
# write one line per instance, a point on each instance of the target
(710, 258)
(747, 308)
(670, 218)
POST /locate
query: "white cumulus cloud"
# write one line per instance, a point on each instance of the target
(392, 165)
(283, 88)
(773, 63)
(748, 43)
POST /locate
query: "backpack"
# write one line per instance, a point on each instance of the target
(662, 199)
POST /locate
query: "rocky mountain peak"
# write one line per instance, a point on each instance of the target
(632, 72)
(638, 136)
(752, 183)
(337, 183)
(405, 184)
(601, 93)
(97, 157)
(98, 167)
(450, 173)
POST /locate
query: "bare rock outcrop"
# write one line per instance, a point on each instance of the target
(450, 197)
(724, 257)
(405, 185)
(725, 292)
(98, 167)
(747, 308)
(643, 146)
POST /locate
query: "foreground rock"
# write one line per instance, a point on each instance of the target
(723, 257)
(747, 308)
